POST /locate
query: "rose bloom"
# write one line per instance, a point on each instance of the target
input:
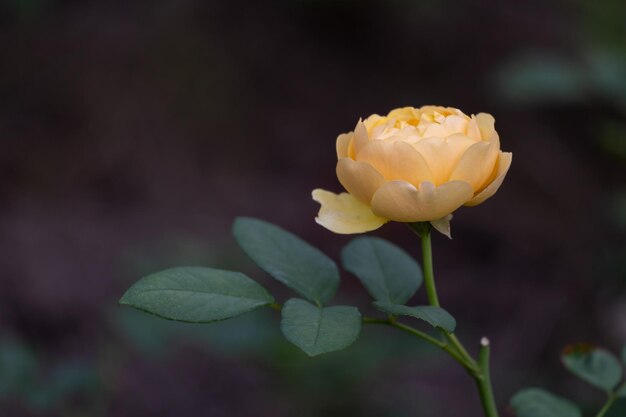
(413, 165)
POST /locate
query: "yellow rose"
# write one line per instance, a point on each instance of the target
(413, 165)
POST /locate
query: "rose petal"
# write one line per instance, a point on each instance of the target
(372, 121)
(428, 112)
(494, 138)
(359, 178)
(343, 145)
(361, 137)
(504, 162)
(433, 129)
(486, 124)
(396, 161)
(410, 115)
(455, 124)
(472, 129)
(344, 214)
(476, 164)
(443, 154)
(401, 201)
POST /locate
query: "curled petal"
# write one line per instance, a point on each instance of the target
(403, 202)
(504, 162)
(343, 145)
(344, 214)
(359, 178)
(361, 137)
(473, 131)
(486, 124)
(476, 164)
(396, 161)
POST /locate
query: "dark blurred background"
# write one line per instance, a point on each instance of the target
(133, 132)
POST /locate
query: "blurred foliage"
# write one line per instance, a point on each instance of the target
(612, 138)
(18, 366)
(166, 250)
(42, 387)
(533, 77)
(249, 334)
(603, 22)
(541, 76)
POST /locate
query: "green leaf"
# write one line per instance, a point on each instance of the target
(388, 273)
(435, 316)
(535, 402)
(196, 294)
(621, 391)
(288, 258)
(595, 366)
(318, 330)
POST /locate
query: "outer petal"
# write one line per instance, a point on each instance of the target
(343, 144)
(504, 162)
(494, 138)
(476, 164)
(396, 161)
(402, 202)
(359, 178)
(344, 214)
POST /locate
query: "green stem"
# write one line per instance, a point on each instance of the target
(607, 405)
(454, 341)
(429, 274)
(484, 380)
(479, 371)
